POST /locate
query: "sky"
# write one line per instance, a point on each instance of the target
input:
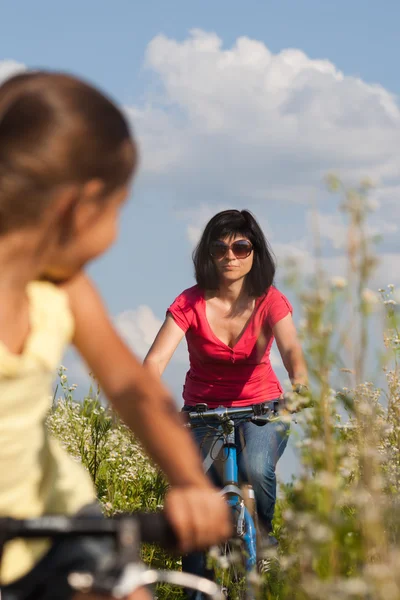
(234, 105)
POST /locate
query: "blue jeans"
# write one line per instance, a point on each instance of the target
(258, 450)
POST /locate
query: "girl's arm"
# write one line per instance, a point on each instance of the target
(163, 347)
(199, 515)
(290, 350)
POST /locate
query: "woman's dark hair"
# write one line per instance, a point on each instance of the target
(54, 130)
(224, 225)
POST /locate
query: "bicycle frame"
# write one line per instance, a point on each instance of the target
(245, 527)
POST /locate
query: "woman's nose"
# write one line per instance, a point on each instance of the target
(230, 255)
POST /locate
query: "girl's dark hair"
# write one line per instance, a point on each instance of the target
(54, 130)
(224, 225)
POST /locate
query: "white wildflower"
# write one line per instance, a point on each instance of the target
(327, 480)
(338, 283)
(288, 515)
(354, 586)
(320, 533)
(302, 324)
(372, 205)
(370, 297)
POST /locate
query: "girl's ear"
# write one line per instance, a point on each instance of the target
(77, 206)
(89, 206)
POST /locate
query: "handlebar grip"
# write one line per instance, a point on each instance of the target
(156, 529)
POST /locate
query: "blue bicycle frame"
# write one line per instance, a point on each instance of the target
(245, 527)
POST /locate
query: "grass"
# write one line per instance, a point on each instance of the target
(338, 521)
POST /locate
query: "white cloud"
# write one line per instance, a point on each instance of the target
(333, 227)
(298, 251)
(198, 218)
(9, 68)
(245, 123)
(138, 327)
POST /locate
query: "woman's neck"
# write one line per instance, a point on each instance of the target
(233, 292)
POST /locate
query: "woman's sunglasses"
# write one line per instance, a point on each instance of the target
(241, 249)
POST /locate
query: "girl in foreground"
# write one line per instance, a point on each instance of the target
(66, 163)
(230, 319)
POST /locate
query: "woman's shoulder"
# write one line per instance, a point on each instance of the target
(273, 294)
(274, 298)
(183, 308)
(190, 296)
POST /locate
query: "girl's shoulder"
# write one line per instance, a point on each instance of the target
(50, 310)
(51, 328)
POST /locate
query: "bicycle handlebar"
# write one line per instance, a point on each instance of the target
(152, 528)
(125, 574)
(262, 412)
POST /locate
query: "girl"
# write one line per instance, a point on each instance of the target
(66, 163)
(230, 319)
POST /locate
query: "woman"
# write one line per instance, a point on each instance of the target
(230, 319)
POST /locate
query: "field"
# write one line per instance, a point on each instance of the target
(338, 521)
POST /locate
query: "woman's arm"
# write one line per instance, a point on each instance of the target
(290, 350)
(163, 347)
(149, 410)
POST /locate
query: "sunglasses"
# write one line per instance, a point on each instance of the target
(241, 249)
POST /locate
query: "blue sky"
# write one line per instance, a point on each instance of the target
(226, 115)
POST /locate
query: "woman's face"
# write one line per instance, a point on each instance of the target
(233, 256)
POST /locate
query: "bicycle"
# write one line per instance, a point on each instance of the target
(126, 572)
(225, 420)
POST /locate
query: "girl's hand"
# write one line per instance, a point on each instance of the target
(199, 515)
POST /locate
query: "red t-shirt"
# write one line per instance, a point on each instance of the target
(218, 374)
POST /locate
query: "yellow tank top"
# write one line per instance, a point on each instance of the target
(37, 476)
